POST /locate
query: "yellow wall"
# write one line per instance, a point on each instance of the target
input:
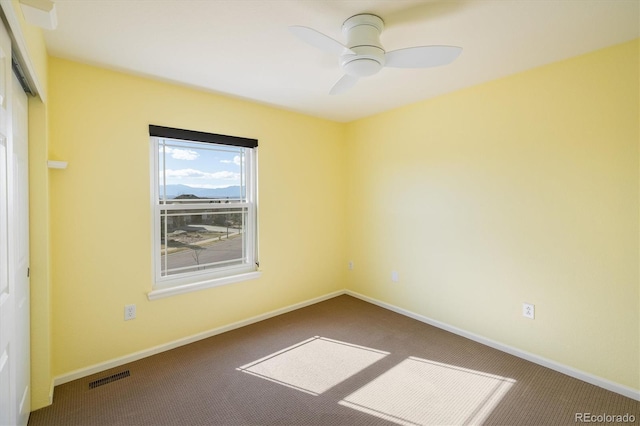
(520, 190)
(101, 213)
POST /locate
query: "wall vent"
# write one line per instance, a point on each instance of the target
(109, 379)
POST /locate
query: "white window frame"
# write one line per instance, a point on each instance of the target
(164, 286)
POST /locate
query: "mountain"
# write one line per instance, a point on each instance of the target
(228, 192)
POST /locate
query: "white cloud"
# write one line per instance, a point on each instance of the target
(198, 174)
(207, 186)
(181, 154)
(236, 160)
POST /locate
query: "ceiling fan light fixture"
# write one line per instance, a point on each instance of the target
(362, 67)
(363, 62)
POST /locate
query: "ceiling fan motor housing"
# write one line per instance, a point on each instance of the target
(363, 37)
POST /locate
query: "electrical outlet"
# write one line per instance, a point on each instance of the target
(528, 310)
(351, 265)
(129, 312)
(394, 276)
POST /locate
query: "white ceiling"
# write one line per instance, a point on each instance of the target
(243, 48)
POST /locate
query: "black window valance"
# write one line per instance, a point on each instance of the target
(193, 135)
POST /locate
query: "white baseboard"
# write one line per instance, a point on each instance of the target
(564, 369)
(116, 362)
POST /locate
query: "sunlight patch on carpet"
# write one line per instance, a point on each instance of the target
(314, 365)
(420, 392)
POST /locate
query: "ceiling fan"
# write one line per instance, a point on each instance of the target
(363, 55)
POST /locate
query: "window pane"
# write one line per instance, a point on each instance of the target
(192, 171)
(195, 240)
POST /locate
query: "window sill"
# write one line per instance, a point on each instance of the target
(188, 288)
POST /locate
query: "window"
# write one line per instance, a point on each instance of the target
(204, 210)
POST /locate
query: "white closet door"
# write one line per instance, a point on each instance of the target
(19, 136)
(8, 398)
(14, 246)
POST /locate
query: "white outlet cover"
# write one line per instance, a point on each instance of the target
(528, 310)
(394, 276)
(129, 312)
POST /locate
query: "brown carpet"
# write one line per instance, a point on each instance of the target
(339, 362)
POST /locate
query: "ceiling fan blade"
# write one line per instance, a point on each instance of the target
(318, 40)
(422, 56)
(345, 83)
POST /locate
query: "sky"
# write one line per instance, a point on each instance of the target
(201, 165)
